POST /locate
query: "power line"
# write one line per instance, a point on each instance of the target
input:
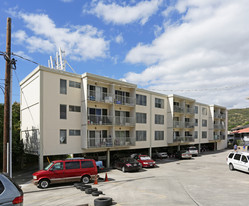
(24, 58)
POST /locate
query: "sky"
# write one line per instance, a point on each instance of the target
(192, 48)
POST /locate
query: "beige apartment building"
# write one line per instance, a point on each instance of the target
(66, 113)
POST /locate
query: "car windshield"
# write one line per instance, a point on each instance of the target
(192, 148)
(145, 158)
(46, 168)
(130, 160)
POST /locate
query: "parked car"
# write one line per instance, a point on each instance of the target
(127, 164)
(145, 160)
(162, 155)
(69, 170)
(183, 154)
(10, 192)
(238, 161)
(193, 150)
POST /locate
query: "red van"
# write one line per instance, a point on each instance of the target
(69, 170)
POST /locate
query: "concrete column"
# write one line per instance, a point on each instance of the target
(41, 165)
(108, 158)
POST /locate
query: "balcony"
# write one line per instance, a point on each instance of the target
(189, 124)
(178, 109)
(97, 142)
(125, 121)
(219, 116)
(183, 139)
(124, 141)
(219, 126)
(189, 110)
(100, 120)
(178, 124)
(123, 100)
(100, 97)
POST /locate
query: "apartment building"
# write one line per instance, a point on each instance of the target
(67, 113)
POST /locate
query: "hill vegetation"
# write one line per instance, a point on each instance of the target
(238, 117)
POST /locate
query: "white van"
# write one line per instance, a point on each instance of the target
(193, 151)
(238, 161)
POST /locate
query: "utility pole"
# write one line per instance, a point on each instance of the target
(7, 103)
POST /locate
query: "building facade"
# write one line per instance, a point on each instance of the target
(66, 113)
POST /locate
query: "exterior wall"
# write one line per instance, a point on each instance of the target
(52, 99)
(40, 109)
(30, 112)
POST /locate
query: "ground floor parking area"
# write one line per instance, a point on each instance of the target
(204, 180)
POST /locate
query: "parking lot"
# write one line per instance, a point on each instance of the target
(203, 180)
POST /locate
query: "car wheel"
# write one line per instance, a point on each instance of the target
(123, 169)
(103, 201)
(85, 179)
(44, 183)
(231, 166)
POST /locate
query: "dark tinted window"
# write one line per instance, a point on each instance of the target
(63, 111)
(237, 157)
(63, 86)
(231, 155)
(1, 187)
(86, 164)
(244, 159)
(72, 165)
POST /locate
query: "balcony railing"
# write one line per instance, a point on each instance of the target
(97, 142)
(100, 120)
(123, 100)
(178, 109)
(94, 142)
(178, 124)
(189, 110)
(219, 115)
(100, 97)
(189, 124)
(219, 126)
(183, 139)
(124, 141)
(125, 121)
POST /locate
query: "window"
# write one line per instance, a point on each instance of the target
(204, 111)
(74, 132)
(141, 135)
(159, 103)
(87, 164)
(244, 159)
(58, 166)
(63, 136)
(122, 97)
(231, 155)
(196, 109)
(204, 123)
(196, 122)
(74, 84)
(63, 111)
(141, 100)
(237, 156)
(196, 135)
(72, 165)
(141, 118)
(159, 135)
(63, 86)
(204, 135)
(159, 119)
(74, 108)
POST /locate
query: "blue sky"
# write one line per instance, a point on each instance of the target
(196, 49)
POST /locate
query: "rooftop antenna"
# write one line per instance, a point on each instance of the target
(59, 63)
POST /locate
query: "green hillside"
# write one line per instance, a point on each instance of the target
(238, 117)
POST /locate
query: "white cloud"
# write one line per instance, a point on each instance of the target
(117, 14)
(119, 39)
(79, 42)
(209, 49)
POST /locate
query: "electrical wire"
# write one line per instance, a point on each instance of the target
(25, 58)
